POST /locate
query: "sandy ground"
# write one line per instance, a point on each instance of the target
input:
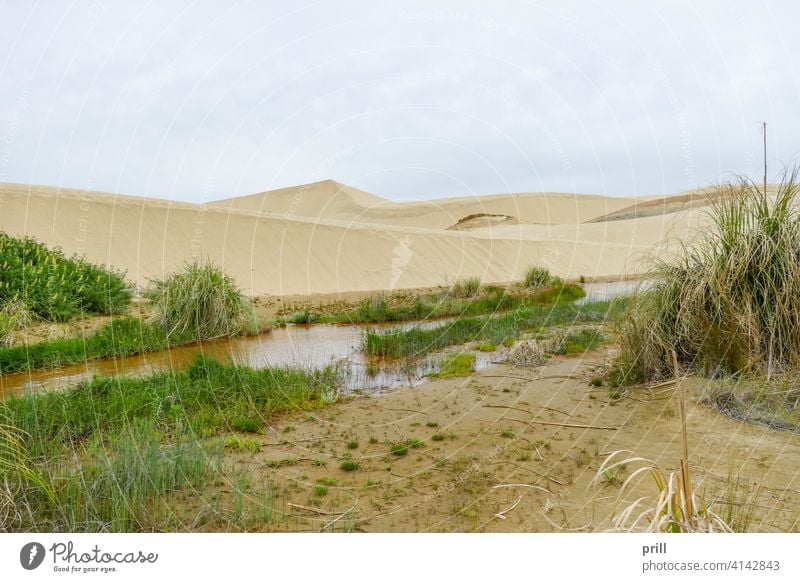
(500, 466)
(327, 238)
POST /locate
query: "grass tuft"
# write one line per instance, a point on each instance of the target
(727, 304)
(537, 277)
(201, 300)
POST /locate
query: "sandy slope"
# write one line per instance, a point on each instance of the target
(329, 238)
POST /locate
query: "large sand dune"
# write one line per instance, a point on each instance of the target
(327, 237)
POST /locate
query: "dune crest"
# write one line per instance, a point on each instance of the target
(327, 237)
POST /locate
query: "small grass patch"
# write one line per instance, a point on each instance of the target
(352, 445)
(398, 449)
(241, 444)
(486, 347)
(349, 465)
(456, 365)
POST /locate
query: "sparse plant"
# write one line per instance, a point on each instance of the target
(467, 287)
(399, 449)
(349, 465)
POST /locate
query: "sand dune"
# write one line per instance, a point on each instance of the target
(329, 238)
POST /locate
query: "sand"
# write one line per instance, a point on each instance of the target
(504, 452)
(327, 238)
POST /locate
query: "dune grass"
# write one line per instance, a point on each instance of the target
(54, 287)
(727, 305)
(536, 277)
(201, 300)
(417, 342)
(107, 455)
(467, 287)
(489, 300)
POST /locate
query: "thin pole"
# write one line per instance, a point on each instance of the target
(764, 131)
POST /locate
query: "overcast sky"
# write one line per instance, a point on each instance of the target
(408, 100)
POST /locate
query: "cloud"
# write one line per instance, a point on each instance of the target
(196, 100)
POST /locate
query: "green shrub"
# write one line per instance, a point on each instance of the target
(537, 277)
(54, 287)
(200, 300)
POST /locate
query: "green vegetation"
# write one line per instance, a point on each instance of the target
(486, 347)
(110, 454)
(349, 465)
(13, 316)
(580, 341)
(467, 287)
(456, 365)
(352, 445)
(120, 337)
(398, 449)
(207, 397)
(537, 277)
(727, 305)
(303, 317)
(54, 287)
(489, 300)
(201, 301)
(416, 342)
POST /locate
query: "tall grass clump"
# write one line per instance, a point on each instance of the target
(14, 315)
(536, 277)
(467, 287)
(200, 300)
(727, 303)
(54, 287)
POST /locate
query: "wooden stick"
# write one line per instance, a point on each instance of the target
(687, 487)
(407, 410)
(502, 514)
(330, 523)
(314, 509)
(564, 424)
(542, 475)
(528, 411)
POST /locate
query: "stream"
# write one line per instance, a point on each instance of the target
(308, 346)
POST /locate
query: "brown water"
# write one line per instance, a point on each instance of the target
(306, 346)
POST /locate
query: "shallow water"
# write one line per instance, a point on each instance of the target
(603, 291)
(306, 346)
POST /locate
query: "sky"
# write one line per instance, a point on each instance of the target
(408, 100)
